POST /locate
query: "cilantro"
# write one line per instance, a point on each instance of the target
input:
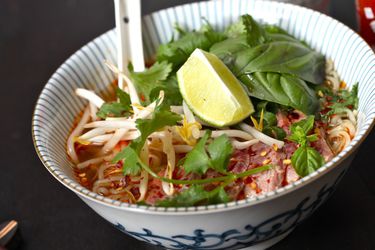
(345, 99)
(149, 82)
(116, 109)
(132, 163)
(219, 152)
(161, 117)
(172, 95)
(196, 195)
(305, 159)
(177, 51)
(197, 160)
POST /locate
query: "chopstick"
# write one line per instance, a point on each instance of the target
(7, 232)
(129, 37)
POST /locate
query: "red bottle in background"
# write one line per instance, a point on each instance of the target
(366, 20)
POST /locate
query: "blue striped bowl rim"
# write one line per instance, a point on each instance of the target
(57, 106)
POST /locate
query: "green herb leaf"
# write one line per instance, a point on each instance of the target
(220, 151)
(282, 57)
(116, 109)
(283, 89)
(306, 124)
(177, 52)
(275, 132)
(123, 97)
(345, 99)
(152, 78)
(172, 94)
(197, 160)
(306, 160)
(196, 195)
(131, 164)
(161, 117)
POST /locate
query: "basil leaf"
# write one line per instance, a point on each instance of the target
(282, 57)
(275, 132)
(283, 89)
(306, 160)
(306, 124)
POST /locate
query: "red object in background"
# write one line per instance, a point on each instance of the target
(366, 20)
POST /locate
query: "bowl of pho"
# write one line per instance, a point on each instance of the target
(246, 118)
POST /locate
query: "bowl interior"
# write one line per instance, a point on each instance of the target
(58, 106)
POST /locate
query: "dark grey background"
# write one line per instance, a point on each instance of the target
(35, 38)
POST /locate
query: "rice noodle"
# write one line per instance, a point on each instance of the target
(155, 160)
(90, 96)
(75, 133)
(339, 140)
(102, 191)
(332, 76)
(262, 137)
(110, 179)
(101, 170)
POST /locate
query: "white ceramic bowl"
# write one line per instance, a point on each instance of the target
(257, 222)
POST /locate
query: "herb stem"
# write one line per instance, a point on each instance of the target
(229, 177)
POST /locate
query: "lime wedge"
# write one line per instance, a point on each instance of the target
(211, 91)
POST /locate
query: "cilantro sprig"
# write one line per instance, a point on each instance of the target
(161, 117)
(216, 157)
(116, 109)
(343, 100)
(154, 79)
(305, 159)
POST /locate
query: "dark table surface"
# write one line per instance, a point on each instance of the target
(35, 38)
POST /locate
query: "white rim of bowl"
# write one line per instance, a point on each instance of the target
(87, 194)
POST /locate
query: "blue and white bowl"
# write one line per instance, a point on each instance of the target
(256, 222)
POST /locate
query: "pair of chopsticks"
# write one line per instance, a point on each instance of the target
(129, 37)
(7, 231)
